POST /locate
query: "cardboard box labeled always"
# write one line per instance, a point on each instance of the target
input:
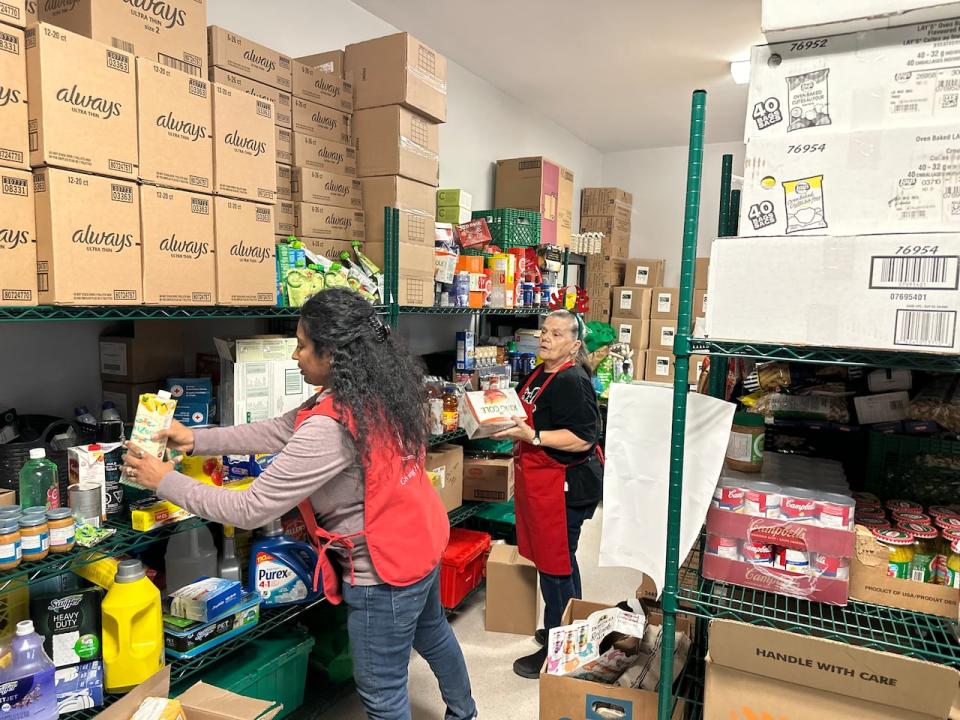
(285, 218)
(237, 54)
(153, 352)
(774, 673)
(488, 480)
(567, 698)
(18, 239)
(83, 108)
(393, 140)
(331, 249)
(284, 182)
(328, 62)
(327, 155)
(446, 461)
(398, 70)
(88, 239)
(539, 184)
(284, 142)
(416, 270)
(665, 304)
(244, 150)
(604, 201)
(320, 121)
(246, 272)
(416, 202)
(328, 222)
(662, 334)
(179, 266)
(632, 302)
(14, 12)
(859, 182)
(326, 188)
(855, 291)
(175, 114)
(855, 81)
(513, 605)
(281, 99)
(14, 116)
(644, 273)
(173, 35)
(327, 88)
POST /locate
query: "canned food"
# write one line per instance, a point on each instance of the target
(870, 523)
(945, 522)
(724, 547)
(729, 495)
(869, 514)
(795, 561)
(757, 553)
(762, 500)
(836, 511)
(798, 505)
(903, 505)
(829, 566)
(936, 511)
(900, 516)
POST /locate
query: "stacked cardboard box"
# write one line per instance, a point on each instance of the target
(603, 274)
(608, 211)
(541, 185)
(400, 100)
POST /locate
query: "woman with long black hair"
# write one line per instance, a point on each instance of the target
(352, 459)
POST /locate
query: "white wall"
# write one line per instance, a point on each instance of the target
(658, 179)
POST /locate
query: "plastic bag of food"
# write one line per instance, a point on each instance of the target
(939, 401)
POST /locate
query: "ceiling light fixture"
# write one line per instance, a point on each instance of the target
(740, 71)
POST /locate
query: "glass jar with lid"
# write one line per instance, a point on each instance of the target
(923, 565)
(899, 546)
(952, 577)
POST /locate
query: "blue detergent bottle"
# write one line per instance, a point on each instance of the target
(281, 568)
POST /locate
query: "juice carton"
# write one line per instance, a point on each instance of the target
(154, 413)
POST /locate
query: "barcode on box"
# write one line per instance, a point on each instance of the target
(940, 272)
(925, 328)
(123, 45)
(184, 67)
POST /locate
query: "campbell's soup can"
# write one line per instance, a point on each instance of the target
(798, 505)
(729, 495)
(762, 499)
(830, 566)
(724, 547)
(835, 511)
(795, 561)
(757, 553)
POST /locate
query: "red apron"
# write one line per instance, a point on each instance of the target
(539, 499)
(405, 523)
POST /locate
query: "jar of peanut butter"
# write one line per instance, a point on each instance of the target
(34, 537)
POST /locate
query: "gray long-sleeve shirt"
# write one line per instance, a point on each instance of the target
(318, 460)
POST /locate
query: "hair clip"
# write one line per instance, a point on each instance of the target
(381, 331)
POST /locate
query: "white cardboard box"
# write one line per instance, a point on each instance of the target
(885, 407)
(881, 292)
(904, 76)
(784, 20)
(898, 180)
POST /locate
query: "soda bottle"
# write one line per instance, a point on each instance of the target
(39, 484)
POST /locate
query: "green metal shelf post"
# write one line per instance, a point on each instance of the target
(726, 181)
(733, 220)
(681, 349)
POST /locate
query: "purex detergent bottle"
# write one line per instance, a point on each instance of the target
(281, 568)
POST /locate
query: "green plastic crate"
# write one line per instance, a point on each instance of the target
(273, 669)
(925, 469)
(512, 228)
(498, 519)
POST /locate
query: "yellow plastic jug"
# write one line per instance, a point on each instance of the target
(132, 629)
(14, 605)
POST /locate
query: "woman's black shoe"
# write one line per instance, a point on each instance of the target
(530, 666)
(540, 636)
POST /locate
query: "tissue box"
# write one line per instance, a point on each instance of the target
(79, 687)
(194, 413)
(487, 412)
(205, 599)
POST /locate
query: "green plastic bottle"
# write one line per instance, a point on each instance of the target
(39, 484)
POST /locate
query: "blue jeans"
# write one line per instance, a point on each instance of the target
(557, 590)
(384, 622)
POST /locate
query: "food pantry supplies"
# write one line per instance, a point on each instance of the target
(205, 599)
(187, 638)
(486, 412)
(154, 413)
(575, 650)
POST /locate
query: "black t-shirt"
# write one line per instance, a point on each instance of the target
(569, 402)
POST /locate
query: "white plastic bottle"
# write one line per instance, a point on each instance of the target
(191, 554)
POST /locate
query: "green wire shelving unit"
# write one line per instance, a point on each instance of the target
(918, 635)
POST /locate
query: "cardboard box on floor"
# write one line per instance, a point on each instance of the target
(175, 114)
(447, 462)
(245, 146)
(320, 121)
(83, 103)
(179, 266)
(488, 480)
(323, 87)
(644, 273)
(764, 672)
(416, 202)
(246, 271)
(18, 239)
(326, 188)
(539, 184)
(174, 35)
(200, 702)
(326, 155)
(417, 266)
(281, 99)
(635, 332)
(237, 54)
(564, 698)
(665, 304)
(393, 140)
(154, 352)
(328, 62)
(398, 70)
(662, 334)
(660, 366)
(88, 239)
(284, 182)
(512, 603)
(632, 302)
(14, 115)
(14, 12)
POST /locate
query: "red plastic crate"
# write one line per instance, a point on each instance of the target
(463, 565)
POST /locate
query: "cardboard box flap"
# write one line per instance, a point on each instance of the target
(206, 702)
(835, 667)
(507, 555)
(157, 685)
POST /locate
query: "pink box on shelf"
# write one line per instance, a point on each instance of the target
(833, 591)
(783, 533)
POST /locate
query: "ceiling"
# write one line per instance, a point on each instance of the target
(617, 73)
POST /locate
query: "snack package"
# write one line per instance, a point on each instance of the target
(154, 413)
(155, 708)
